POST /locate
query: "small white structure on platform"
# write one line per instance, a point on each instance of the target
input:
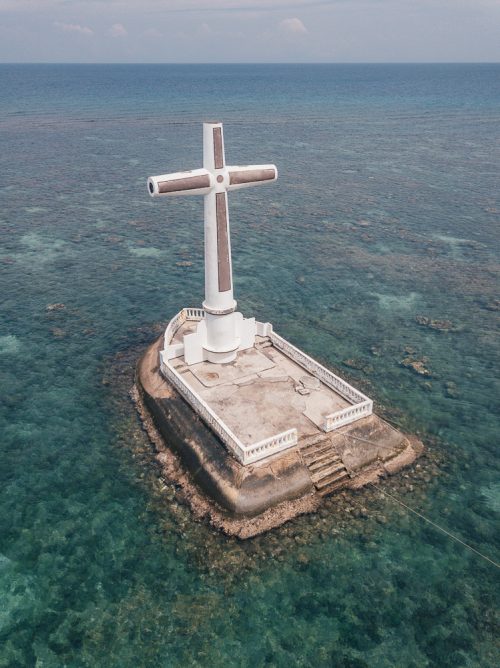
(219, 335)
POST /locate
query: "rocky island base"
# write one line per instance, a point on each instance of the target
(247, 500)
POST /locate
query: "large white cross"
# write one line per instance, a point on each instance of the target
(223, 331)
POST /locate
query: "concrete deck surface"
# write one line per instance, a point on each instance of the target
(262, 393)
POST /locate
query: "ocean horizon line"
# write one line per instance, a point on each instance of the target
(270, 63)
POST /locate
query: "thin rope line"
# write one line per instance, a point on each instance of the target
(415, 512)
(365, 440)
(426, 519)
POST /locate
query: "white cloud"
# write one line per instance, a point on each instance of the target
(73, 27)
(339, 30)
(293, 26)
(118, 30)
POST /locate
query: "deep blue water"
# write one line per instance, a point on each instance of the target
(387, 211)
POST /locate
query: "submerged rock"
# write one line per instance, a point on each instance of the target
(416, 365)
(58, 332)
(451, 390)
(439, 325)
(357, 364)
(353, 364)
(493, 305)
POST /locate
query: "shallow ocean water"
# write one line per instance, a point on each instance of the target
(378, 244)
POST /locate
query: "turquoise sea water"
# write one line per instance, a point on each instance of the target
(378, 245)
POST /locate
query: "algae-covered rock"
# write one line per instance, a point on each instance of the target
(438, 325)
(415, 364)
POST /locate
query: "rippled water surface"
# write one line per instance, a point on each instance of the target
(377, 251)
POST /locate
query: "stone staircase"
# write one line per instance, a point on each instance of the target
(327, 471)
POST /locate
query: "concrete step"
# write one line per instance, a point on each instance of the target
(316, 453)
(326, 472)
(323, 458)
(329, 489)
(339, 476)
(308, 442)
(326, 469)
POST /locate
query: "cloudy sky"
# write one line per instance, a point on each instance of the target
(249, 30)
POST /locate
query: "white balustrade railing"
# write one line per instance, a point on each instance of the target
(347, 415)
(246, 454)
(178, 320)
(173, 326)
(204, 411)
(362, 405)
(271, 445)
(319, 371)
(194, 313)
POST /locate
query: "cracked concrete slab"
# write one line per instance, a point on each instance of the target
(256, 396)
(247, 363)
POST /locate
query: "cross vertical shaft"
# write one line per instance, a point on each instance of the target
(218, 266)
(222, 340)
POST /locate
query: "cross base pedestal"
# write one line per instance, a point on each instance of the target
(218, 338)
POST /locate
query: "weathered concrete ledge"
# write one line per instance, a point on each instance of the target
(248, 500)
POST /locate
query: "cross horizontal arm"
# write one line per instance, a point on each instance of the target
(195, 182)
(251, 175)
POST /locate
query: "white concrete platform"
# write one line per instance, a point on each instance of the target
(262, 393)
(269, 385)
